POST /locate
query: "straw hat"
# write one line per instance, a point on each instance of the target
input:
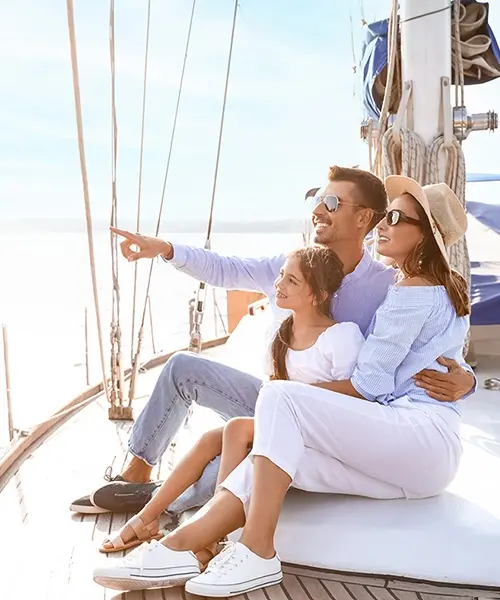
(443, 209)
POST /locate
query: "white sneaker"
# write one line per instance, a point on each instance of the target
(236, 570)
(151, 565)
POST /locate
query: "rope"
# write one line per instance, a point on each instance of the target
(456, 169)
(116, 378)
(353, 51)
(384, 112)
(362, 11)
(135, 360)
(457, 55)
(83, 168)
(455, 177)
(218, 315)
(199, 308)
(407, 158)
(139, 192)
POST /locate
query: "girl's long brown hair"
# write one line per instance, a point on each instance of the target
(323, 272)
(427, 261)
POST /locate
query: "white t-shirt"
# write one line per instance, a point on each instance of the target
(333, 356)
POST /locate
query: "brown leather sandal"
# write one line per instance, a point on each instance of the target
(143, 533)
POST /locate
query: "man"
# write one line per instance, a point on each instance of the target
(345, 210)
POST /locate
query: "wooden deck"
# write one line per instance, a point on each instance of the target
(49, 553)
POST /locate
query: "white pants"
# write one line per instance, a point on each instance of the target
(333, 443)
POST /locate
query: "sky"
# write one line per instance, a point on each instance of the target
(291, 109)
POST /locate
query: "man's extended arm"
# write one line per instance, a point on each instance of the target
(230, 272)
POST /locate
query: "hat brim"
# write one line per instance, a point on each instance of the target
(397, 185)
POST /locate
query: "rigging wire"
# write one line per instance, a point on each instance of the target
(362, 11)
(116, 378)
(139, 191)
(199, 307)
(135, 360)
(353, 51)
(85, 184)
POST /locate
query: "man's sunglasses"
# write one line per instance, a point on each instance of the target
(393, 217)
(331, 202)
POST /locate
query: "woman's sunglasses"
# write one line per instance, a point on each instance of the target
(331, 202)
(393, 217)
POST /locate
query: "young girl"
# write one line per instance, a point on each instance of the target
(309, 347)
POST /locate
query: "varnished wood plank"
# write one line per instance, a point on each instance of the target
(138, 595)
(337, 590)
(440, 597)
(380, 593)
(256, 595)
(358, 591)
(332, 575)
(154, 595)
(188, 596)
(293, 587)
(275, 592)
(174, 593)
(405, 595)
(315, 589)
(442, 589)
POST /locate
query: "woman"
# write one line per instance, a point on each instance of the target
(308, 346)
(376, 434)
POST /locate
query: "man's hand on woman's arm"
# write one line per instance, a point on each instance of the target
(446, 387)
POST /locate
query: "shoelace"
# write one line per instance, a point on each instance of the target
(141, 551)
(108, 474)
(226, 560)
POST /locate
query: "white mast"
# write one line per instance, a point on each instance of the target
(426, 58)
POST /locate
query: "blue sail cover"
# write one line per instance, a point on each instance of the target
(373, 61)
(486, 213)
(485, 276)
(374, 57)
(485, 293)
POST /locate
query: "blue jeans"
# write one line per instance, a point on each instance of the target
(188, 378)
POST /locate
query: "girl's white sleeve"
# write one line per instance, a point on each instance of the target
(341, 345)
